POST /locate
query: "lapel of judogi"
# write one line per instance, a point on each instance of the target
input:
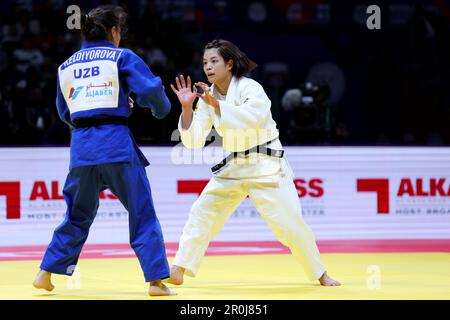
(232, 89)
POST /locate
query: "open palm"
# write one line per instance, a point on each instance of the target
(186, 93)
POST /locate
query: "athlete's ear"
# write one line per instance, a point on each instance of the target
(230, 64)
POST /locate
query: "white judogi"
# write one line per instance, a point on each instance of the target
(245, 121)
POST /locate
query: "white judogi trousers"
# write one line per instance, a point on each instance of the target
(277, 203)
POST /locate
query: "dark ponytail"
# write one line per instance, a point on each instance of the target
(229, 51)
(97, 24)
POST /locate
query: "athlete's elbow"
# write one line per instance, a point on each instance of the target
(162, 112)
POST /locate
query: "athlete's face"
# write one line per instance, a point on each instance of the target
(215, 68)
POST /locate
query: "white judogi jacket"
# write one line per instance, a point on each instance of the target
(245, 121)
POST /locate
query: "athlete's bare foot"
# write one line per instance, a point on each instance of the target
(157, 288)
(176, 275)
(43, 281)
(326, 281)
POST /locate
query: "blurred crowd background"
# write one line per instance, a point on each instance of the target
(331, 80)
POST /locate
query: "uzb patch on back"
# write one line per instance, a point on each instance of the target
(89, 79)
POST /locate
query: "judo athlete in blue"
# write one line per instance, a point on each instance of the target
(93, 88)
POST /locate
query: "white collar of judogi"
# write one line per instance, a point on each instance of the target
(231, 90)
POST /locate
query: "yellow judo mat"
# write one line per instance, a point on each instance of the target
(240, 277)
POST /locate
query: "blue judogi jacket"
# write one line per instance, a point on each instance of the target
(95, 82)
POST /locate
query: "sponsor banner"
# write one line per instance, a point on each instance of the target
(347, 193)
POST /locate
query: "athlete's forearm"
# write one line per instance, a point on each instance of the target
(186, 117)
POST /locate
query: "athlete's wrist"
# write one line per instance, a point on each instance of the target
(186, 107)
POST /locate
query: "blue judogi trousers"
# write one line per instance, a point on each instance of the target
(129, 182)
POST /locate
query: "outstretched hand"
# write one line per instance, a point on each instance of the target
(186, 93)
(207, 97)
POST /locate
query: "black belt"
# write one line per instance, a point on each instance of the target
(262, 148)
(93, 122)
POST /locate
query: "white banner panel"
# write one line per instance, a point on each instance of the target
(346, 193)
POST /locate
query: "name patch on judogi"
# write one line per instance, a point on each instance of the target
(89, 79)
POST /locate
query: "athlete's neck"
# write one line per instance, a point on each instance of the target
(222, 87)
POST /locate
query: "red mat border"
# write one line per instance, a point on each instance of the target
(108, 251)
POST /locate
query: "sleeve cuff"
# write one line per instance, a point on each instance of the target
(180, 128)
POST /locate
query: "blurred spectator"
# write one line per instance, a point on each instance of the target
(195, 69)
(57, 133)
(395, 80)
(27, 55)
(275, 75)
(153, 55)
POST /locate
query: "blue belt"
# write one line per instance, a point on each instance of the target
(94, 122)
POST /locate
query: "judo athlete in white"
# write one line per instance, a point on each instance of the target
(239, 109)
(93, 89)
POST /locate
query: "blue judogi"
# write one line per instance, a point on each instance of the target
(95, 82)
